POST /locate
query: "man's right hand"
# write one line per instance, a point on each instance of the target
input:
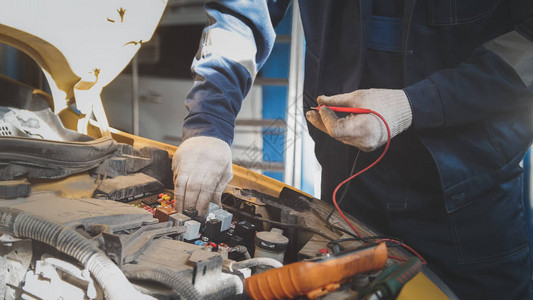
(202, 170)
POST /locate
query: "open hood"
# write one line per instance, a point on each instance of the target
(81, 46)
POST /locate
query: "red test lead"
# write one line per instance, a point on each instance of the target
(351, 110)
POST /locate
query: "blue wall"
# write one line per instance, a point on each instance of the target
(275, 98)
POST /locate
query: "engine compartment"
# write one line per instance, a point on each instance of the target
(92, 217)
(142, 234)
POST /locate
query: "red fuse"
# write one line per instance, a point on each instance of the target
(147, 208)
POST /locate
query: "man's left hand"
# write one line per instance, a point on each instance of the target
(364, 131)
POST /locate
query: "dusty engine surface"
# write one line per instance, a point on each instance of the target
(143, 248)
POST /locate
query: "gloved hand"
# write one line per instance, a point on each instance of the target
(364, 131)
(202, 169)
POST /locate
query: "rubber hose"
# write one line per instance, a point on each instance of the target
(108, 275)
(257, 261)
(179, 284)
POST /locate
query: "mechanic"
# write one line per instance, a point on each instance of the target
(453, 79)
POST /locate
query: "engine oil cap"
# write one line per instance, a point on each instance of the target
(272, 240)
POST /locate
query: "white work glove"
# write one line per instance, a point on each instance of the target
(202, 169)
(364, 131)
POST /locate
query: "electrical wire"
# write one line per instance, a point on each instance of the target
(336, 204)
(345, 191)
(389, 241)
(361, 172)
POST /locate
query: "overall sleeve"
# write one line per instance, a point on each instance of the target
(497, 78)
(235, 44)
